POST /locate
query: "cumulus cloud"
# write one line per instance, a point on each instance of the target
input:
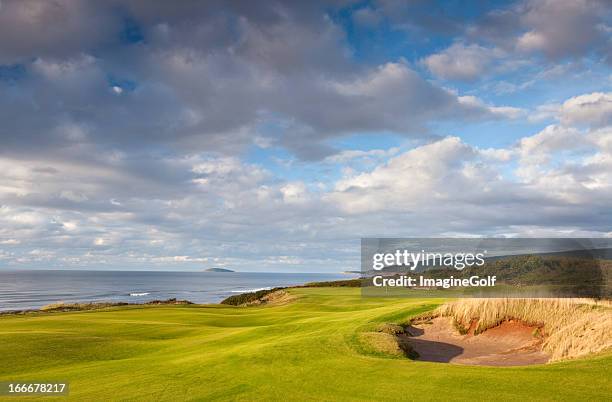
(198, 80)
(392, 97)
(59, 28)
(404, 181)
(559, 178)
(552, 138)
(587, 110)
(498, 111)
(347, 156)
(547, 21)
(133, 133)
(530, 26)
(461, 62)
(455, 183)
(541, 26)
(513, 37)
(593, 109)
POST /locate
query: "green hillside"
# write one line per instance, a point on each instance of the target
(304, 350)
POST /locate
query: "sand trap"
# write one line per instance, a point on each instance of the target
(510, 344)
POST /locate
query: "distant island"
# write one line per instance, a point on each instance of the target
(218, 270)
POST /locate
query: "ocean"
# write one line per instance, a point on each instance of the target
(29, 289)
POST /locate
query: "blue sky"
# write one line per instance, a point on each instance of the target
(272, 136)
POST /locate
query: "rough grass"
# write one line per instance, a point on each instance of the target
(346, 283)
(570, 327)
(259, 296)
(380, 342)
(249, 298)
(391, 329)
(61, 306)
(305, 350)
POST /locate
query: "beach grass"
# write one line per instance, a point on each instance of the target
(572, 327)
(309, 349)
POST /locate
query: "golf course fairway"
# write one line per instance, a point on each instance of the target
(308, 349)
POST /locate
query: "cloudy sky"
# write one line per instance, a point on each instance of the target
(273, 135)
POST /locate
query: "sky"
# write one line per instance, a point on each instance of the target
(274, 135)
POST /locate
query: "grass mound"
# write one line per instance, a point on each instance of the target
(259, 296)
(346, 283)
(391, 329)
(382, 343)
(570, 327)
(249, 298)
(61, 306)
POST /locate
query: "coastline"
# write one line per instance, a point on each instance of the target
(31, 290)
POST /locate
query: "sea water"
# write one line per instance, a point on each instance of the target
(29, 289)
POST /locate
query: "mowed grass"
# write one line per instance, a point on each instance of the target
(306, 350)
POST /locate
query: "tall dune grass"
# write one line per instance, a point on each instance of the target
(570, 327)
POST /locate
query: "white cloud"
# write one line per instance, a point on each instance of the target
(295, 192)
(548, 25)
(531, 41)
(550, 139)
(496, 154)
(562, 173)
(406, 180)
(447, 186)
(462, 62)
(593, 109)
(507, 112)
(94, 173)
(536, 152)
(588, 110)
(544, 112)
(346, 156)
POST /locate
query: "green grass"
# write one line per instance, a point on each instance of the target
(305, 350)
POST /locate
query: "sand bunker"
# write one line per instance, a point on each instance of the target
(510, 344)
